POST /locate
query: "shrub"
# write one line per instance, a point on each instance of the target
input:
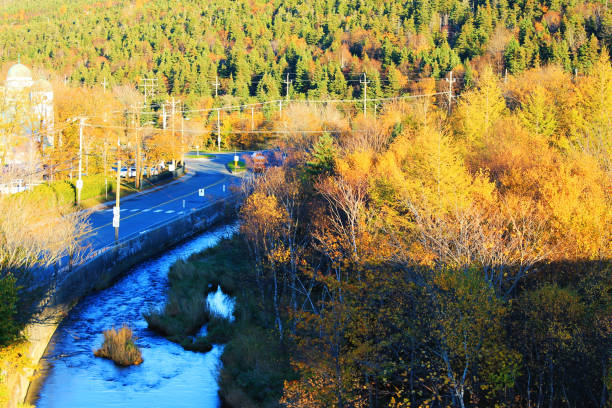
(220, 330)
(119, 346)
(181, 316)
(95, 186)
(200, 344)
(9, 328)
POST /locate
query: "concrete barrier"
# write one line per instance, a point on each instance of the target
(103, 267)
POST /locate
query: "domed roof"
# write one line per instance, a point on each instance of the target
(18, 71)
(42, 85)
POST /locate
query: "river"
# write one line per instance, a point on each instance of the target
(169, 375)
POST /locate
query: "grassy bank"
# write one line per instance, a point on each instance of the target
(255, 362)
(236, 168)
(199, 156)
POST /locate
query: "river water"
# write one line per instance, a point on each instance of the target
(169, 375)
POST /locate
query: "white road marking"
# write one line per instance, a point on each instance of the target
(169, 211)
(125, 209)
(134, 210)
(158, 211)
(146, 210)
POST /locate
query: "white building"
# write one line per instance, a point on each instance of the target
(26, 113)
(26, 128)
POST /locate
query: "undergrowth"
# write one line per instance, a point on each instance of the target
(255, 361)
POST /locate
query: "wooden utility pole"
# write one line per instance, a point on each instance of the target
(219, 129)
(173, 135)
(450, 81)
(288, 83)
(252, 118)
(136, 120)
(183, 141)
(364, 82)
(79, 184)
(164, 116)
(117, 209)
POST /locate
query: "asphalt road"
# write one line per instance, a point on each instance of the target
(140, 212)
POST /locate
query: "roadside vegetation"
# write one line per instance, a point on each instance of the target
(119, 347)
(241, 166)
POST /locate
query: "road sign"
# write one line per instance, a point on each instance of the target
(236, 158)
(171, 167)
(79, 184)
(116, 221)
(201, 192)
(116, 211)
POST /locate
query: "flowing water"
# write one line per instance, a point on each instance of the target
(169, 375)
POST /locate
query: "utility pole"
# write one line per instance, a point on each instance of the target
(164, 116)
(136, 122)
(173, 144)
(183, 141)
(79, 184)
(450, 81)
(148, 85)
(364, 82)
(216, 84)
(104, 84)
(117, 209)
(252, 118)
(288, 83)
(219, 129)
(105, 169)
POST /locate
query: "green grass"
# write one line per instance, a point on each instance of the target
(255, 362)
(235, 169)
(200, 156)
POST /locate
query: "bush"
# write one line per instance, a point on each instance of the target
(65, 192)
(220, 330)
(181, 316)
(200, 344)
(95, 186)
(9, 327)
(119, 346)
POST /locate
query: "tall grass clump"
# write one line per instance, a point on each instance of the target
(119, 346)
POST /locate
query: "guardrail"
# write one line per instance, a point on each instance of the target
(64, 272)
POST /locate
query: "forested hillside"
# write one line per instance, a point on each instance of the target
(323, 47)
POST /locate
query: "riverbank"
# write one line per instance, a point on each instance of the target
(255, 362)
(101, 270)
(169, 376)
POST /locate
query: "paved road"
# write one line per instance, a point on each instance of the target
(139, 212)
